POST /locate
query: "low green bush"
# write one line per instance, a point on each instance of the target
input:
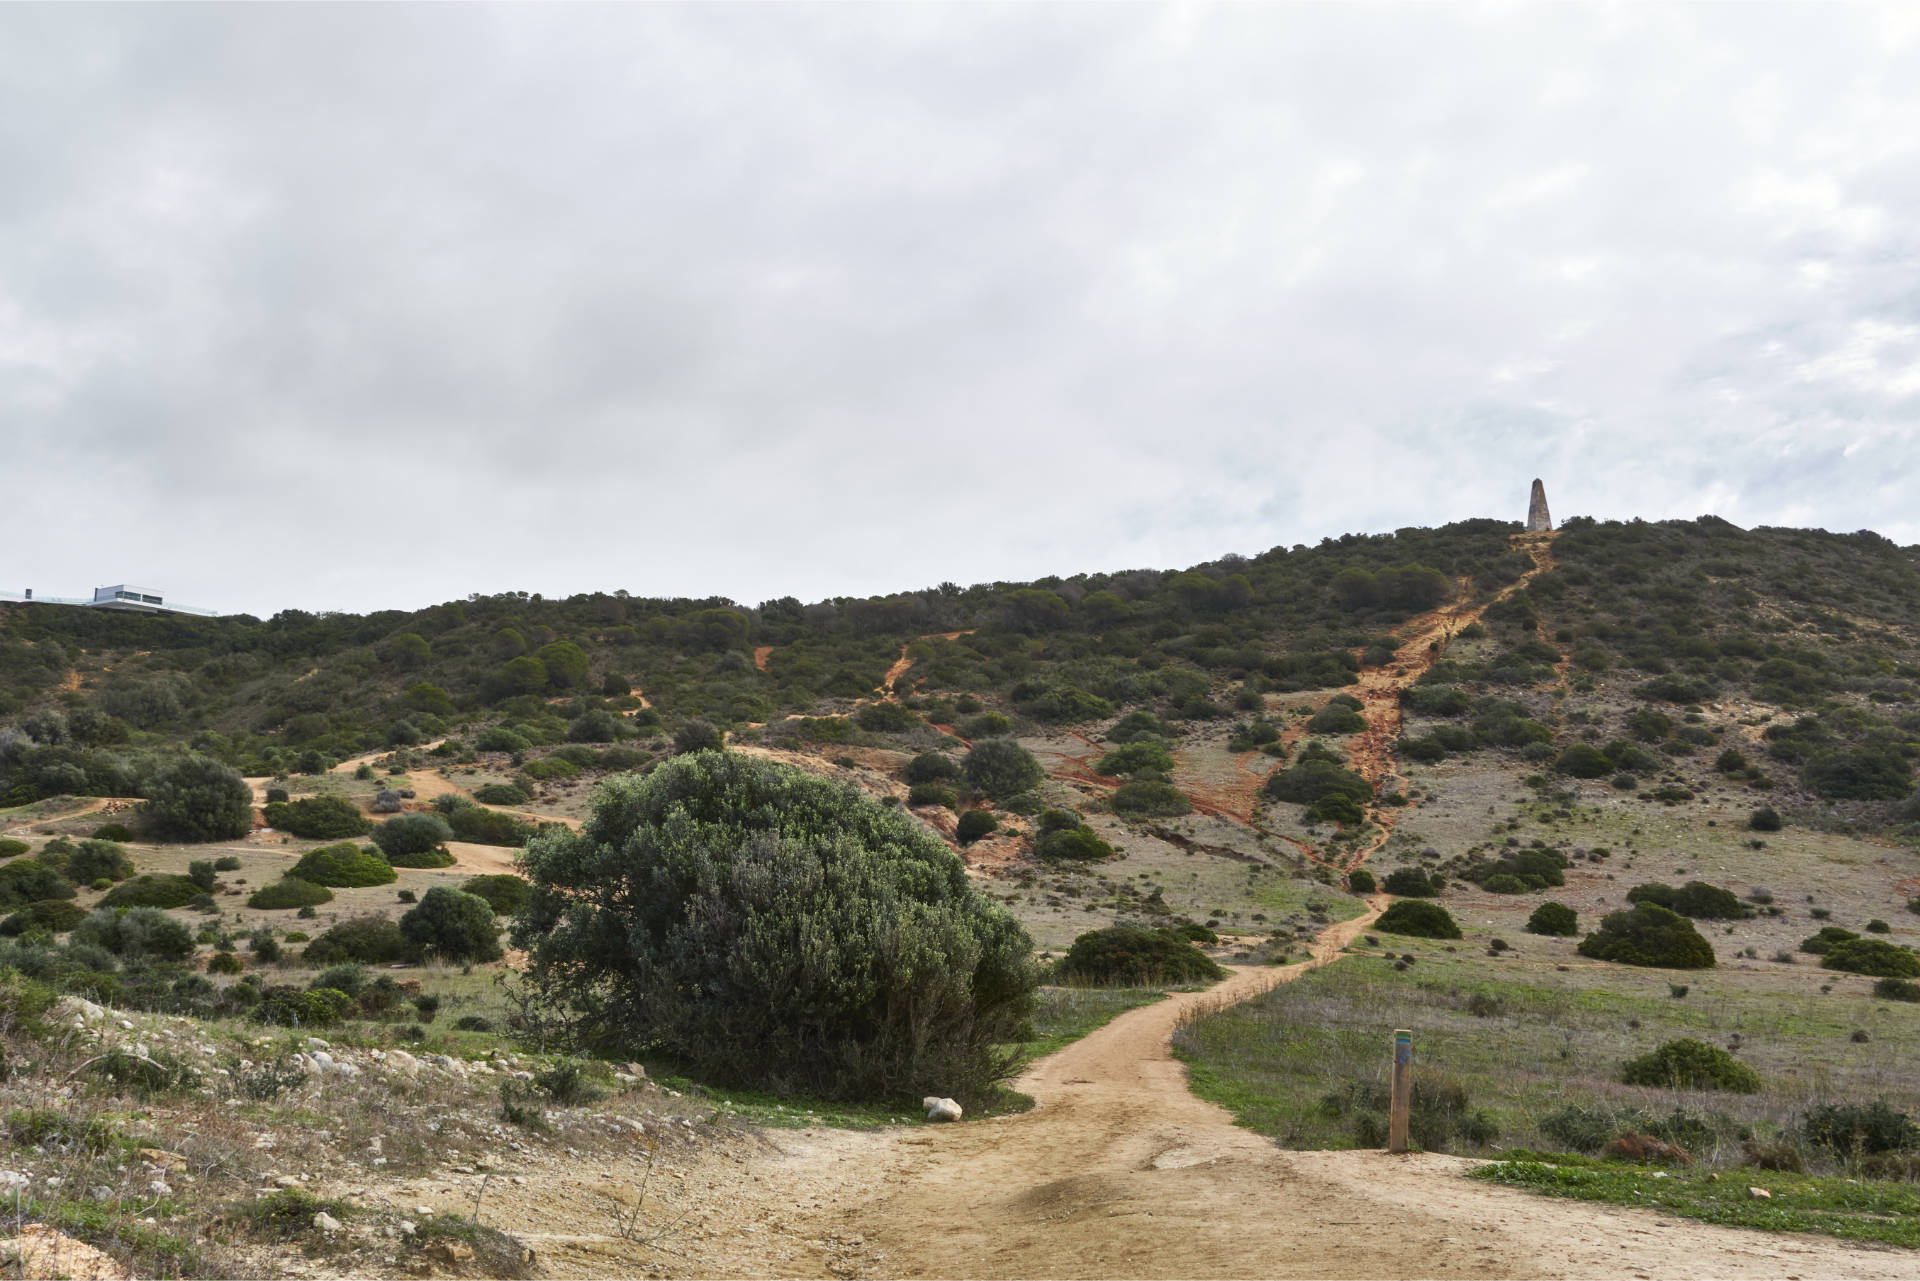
(933, 794)
(1412, 882)
(886, 718)
(113, 832)
(155, 889)
(288, 892)
(1857, 1129)
(1897, 990)
(1417, 918)
(55, 916)
(932, 767)
(1336, 718)
(1764, 819)
(1696, 899)
(1130, 956)
(10, 848)
(1649, 935)
(504, 893)
(1687, 1064)
(1147, 798)
(318, 818)
(1875, 957)
(477, 826)
(500, 794)
(1825, 937)
(1360, 881)
(142, 933)
(1078, 844)
(1146, 755)
(370, 940)
(452, 925)
(344, 866)
(1315, 776)
(1556, 920)
(1000, 767)
(302, 1008)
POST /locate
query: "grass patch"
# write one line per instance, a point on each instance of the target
(1065, 1014)
(1523, 1044)
(1852, 1209)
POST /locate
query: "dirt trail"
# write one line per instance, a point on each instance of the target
(1120, 1171)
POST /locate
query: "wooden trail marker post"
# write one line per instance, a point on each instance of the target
(1402, 1090)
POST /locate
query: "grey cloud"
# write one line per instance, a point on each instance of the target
(757, 301)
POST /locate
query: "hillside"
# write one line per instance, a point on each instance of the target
(1499, 718)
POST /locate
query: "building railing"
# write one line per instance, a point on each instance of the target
(124, 606)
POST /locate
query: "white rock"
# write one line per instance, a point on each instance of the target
(321, 1060)
(11, 1179)
(939, 1109)
(408, 1227)
(401, 1061)
(326, 1222)
(315, 1043)
(125, 1026)
(159, 1188)
(346, 1069)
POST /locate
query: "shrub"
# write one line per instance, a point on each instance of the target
(138, 933)
(1504, 883)
(94, 860)
(1687, 1064)
(886, 718)
(278, 794)
(1147, 798)
(1696, 899)
(295, 1007)
(1582, 760)
(1851, 1129)
(226, 863)
(1144, 755)
(1411, 882)
(345, 866)
(1336, 718)
(479, 826)
(1314, 777)
(1878, 926)
(1428, 751)
(1764, 819)
(1360, 881)
(1825, 937)
(113, 832)
(387, 801)
(1080, 844)
(370, 940)
(1555, 920)
(548, 768)
(453, 925)
(1649, 935)
(10, 848)
(1580, 1129)
(698, 736)
(596, 726)
(155, 889)
(318, 818)
(1897, 990)
(1875, 957)
(473, 1023)
(1127, 955)
(197, 798)
(225, 963)
(288, 892)
(500, 794)
(911, 980)
(933, 794)
(55, 916)
(505, 894)
(412, 835)
(1001, 767)
(1418, 919)
(986, 725)
(975, 824)
(502, 739)
(200, 872)
(932, 767)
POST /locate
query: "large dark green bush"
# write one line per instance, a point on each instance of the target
(408, 836)
(1583, 760)
(1360, 881)
(1135, 726)
(698, 736)
(886, 718)
(1697, 899)
(1336, 718)
(1875, 957)
(505, 894)
(318, 818)
(1764, 819)
(97, 860)
(1150, 798)
(1412, 882)
(1825, 937)
(500, 794)
(973, 825)
(1556, 920)
(197, 798)
(1687, 1064)
(10, 848)
(155, 889)
(932, 767)
(1864, 773)
(139, 933)
(1649, 935)
(453, 925)
(478, 826)
(766, 926)
(288, 892)
(370, 940)
(30, 880)
(1417, 919)
(1001, 767)
(344, 866)
(302, 1007)
(1130, 956)
(1314, 777)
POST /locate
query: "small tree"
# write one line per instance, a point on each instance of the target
(975, 824)
(411, 835)
(1556, 920)
(1419, 919)
(455, 925)
(197, 798)
(1649, 935)
(698, 736)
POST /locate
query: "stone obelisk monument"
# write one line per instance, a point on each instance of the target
(1538, 518)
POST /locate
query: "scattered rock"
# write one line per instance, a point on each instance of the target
(636, 1069)
(1759, 1194)
(315, 1043)
(450, 1253)
(326, 1222)
(408, 1227)
(11, 1179)
(321, 1060)
(939, 1109)
(162, 1159)
(287, 1181)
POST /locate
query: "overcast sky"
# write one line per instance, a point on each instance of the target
(355, 307)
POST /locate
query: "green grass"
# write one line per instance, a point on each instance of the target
(1065, 1014)
(1853, 1209)
(1525, 1041)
